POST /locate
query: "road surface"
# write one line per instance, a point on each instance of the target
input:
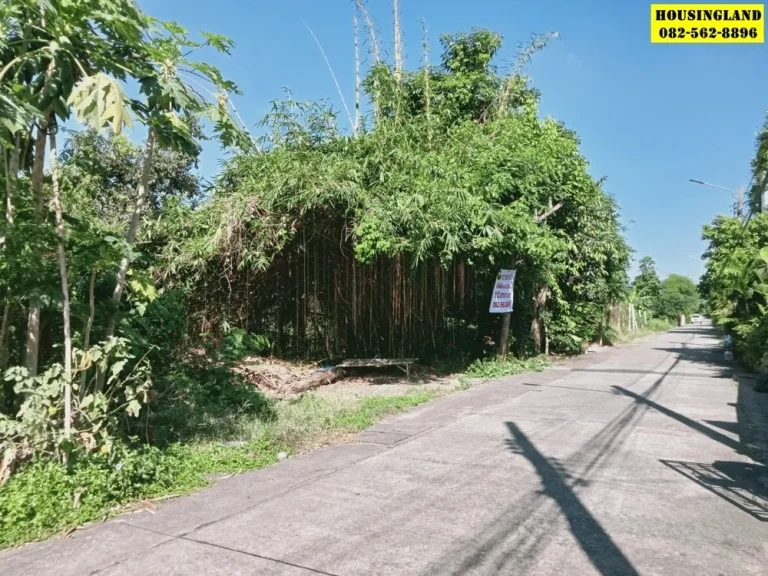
(624, 462)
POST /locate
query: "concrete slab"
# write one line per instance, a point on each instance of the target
(238, 493)
(85, 552)
(183, 557)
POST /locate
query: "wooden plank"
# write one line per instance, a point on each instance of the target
(375, 362)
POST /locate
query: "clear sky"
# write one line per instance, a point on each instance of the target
(649, 116)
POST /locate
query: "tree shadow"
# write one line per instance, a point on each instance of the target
(602, 551)
(751, 406)
(512, 542)
(732, 427)
(389, 375)
(741, 484)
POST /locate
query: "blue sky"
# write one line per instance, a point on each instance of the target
(649, 116)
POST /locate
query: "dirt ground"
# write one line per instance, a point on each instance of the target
(276, 378)
(386, 383)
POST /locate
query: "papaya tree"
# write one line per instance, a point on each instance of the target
(60, 43)
(177, 91)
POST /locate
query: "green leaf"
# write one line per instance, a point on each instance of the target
(117, 367)
(134, 407)
(99, 102)
(219, 42)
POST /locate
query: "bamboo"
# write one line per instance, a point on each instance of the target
(357, 79)
(427, 103)
(398, 42)
(333, 75)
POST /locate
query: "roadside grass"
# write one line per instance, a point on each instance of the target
(496, 368)
(655, 325)
(44, 498)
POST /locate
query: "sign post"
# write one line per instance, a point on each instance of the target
(502, 302)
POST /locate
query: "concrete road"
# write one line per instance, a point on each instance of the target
(624, 462)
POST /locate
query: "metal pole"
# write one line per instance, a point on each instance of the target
(739, 194)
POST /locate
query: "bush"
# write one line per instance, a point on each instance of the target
(238, 343)
(44, 497)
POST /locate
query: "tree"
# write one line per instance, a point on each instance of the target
(175, 87)
(56, 43)
(647, 283)
(101, 172)
(759, 167)
(678, 296)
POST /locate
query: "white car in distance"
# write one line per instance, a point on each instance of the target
(697, 319)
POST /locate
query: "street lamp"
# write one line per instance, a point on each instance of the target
(739, 194)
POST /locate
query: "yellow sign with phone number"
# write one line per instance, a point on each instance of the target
(707, 23)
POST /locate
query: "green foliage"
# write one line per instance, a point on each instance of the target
(97, 414)
(469, 179)
(734, 284)
(44, 497)
(660, 324)
(199, 398)
(100, 174)
(374, 408)
(759, 167)
(99, 101)
(497, 368)
(647, 284)
(678, 296)
(238, 343)
(460, 182)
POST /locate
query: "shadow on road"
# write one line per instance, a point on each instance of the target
(512, 542)
(596, 543)
(720, 373)
(751, 406)
(741, 484)
(732, 427)
(706, 430)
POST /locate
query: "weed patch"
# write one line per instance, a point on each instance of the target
(496, 368)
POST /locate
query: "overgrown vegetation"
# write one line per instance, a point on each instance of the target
(735, 284)
(128, 293)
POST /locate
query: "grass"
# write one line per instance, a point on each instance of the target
(496, 368)
(655, 325)
(43, 498)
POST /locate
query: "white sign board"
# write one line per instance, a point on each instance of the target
(503, 292)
